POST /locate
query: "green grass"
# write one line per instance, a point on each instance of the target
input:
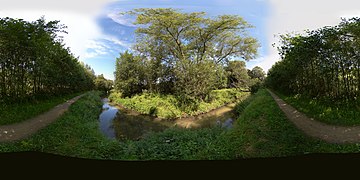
(330, 112)
(262, 130)
(14, 113)
(173, 144)
(74, 134)
(167, 106)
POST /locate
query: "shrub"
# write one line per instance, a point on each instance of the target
(255, 87)
(170, 106)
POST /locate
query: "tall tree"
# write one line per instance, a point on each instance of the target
(192, 45)
(30, 56)
(257, 72)
(237, 74)
(129, 74)
(322, 63)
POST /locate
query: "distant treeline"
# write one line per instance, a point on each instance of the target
(323, 63)
(34, 61)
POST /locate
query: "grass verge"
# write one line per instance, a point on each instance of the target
(262, 130)
(330, 112)
(74, 134)
(14, 113)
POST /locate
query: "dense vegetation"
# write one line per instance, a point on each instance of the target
(323, 63)
(180, 60)
(103, 84)
(168, 106)
(34, 61)
(262, 130)
(37, 72)
(185, 54)
(319, 73)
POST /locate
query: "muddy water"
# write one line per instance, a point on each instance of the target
(120, 123)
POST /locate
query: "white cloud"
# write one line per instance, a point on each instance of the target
(78, 15)
(122, 19)
(74, 6)
(116, 41)
(288, 16)
(351, 14)
(97, 47)
(81, 28)
(264, 62)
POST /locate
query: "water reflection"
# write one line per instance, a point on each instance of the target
(106, 119)
(135, 127)
(120, 123)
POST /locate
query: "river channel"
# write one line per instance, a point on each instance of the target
(119, 123)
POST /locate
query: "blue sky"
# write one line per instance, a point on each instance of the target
(97, 33)
(119, 30)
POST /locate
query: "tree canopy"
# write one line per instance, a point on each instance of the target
(183, 53)
(322, 63)
(34, 61)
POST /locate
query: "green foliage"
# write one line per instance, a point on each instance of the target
(255, 87)
(129, 74)
(237, 74)
(34, 61)
(322, 63)
(163, 106)
(169, 106)
(196, 82)
(257, 73)
(103, 84)
(174, 144)
(183, 53)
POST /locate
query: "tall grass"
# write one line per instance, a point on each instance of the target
(18, 112)
(339, 112)
(168, 106)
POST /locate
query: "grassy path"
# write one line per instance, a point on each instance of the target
(329, 133)
(24, 129)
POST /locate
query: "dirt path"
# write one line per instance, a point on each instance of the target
(26, 128)
(329, 133)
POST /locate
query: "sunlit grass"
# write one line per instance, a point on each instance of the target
(14, 113)
(327, 111)
(167, 106)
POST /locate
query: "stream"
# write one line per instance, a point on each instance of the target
(119, 123)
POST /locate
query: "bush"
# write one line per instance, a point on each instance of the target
(170, 106)
(255, 87)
